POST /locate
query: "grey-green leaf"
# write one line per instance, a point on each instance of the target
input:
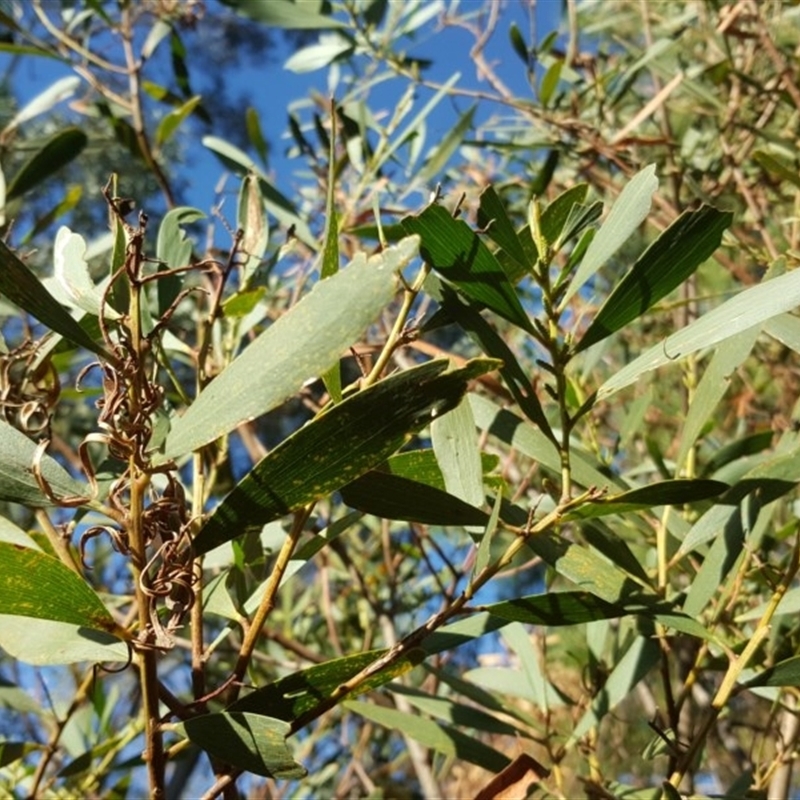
(17, 482)
(629, 211)
(301, 344)
(749, 308)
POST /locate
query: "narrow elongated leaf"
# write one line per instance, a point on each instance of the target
(639, 659)
(17, 482)
(748, 309)
(331, 45)
(666, 263)
(174, 249)
(784, 673)
(44, 642)
(441, 738)
(57, 151)
(494, 346)
(25, 290)
(457, 253)
(278, 204)
(455, 443)
(515, 431)
(254, 223)
(251, 742)
(712, 387)
(290, 697)
(555, 216)
(72, 274)
(301, 344)
(494, 219)
(35, 584)
(285, 13)
(57, 92)
(441, 154)
(299, 693)
(337, 447)
(172, 121)
(467, 716)
(629, 211)
(332, 377)
(394, 497)
(665, 493)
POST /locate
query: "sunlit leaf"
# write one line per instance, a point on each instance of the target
(289, 14)
(337, 447)
(35, 584)
(72, 273)
(457, 253)
(57, 92)
(455, 443)
(44, 642)
(24, 289)
(17, 481)
(278, 204)
(171, 122)
(628, 212)
(749, 308)
(666, 263)
(316, 56)
(302, 343)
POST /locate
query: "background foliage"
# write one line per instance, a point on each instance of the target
(490, 490)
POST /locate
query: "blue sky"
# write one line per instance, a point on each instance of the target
(270, 89)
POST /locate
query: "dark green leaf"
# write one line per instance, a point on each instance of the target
(457, 253)
(290, 697)
(332, 377)
(518, 44)
(666, 263)
(555, 216)
(35, 584)
(337, 447)
(665, 493)
(393, 497)
(740, 448)
(494, 346)
(250, 742)
(492, 217)
(784, 673)
(57, 152)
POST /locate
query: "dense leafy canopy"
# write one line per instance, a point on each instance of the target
(347, 488)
